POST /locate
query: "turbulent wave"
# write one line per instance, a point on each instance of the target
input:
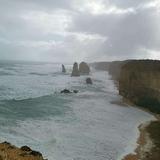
(38, 74)
(82, 126)
(4, 73)
(39, 107)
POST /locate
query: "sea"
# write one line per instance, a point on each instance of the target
(92, 124)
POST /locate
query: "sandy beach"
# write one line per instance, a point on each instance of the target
(146, 144)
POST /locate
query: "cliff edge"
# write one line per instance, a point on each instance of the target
(139, 81)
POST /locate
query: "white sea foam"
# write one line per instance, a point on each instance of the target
(83, 126)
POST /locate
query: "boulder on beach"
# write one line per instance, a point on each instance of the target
(63, 69)
(75, 71)
(89, 81)
(84, 68)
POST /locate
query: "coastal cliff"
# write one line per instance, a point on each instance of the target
(139, 82)
(114, 69)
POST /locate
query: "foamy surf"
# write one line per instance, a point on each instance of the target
(82, 126)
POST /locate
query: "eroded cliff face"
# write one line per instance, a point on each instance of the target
(139, 81)
(11, 152)
(114, 69)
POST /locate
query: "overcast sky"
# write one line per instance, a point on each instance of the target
(75, 30)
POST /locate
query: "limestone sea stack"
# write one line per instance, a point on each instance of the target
(63, 69)
(84, 68)
(75, 71)
(89, 81)
(11, 152)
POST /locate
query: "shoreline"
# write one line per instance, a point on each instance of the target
(145, 144)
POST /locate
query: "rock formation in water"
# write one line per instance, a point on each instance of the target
(10, 152)
(114, 69)
(139, 82)
(63, 69)
(75, 91)
(66, 91)
(89, 81)
(84, 68)
(75, 71)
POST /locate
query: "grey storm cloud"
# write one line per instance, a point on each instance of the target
(91, 30)
(126, 34)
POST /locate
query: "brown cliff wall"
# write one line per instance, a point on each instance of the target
(114, 69)
(139, 82)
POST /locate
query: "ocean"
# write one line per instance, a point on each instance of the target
(90, 125)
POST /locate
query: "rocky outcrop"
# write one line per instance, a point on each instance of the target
(89, 81)
(66, 91)
(75, 91)
(11, 152)
(75, 71)
(139, 82)
(84, 68)
(63, 69)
